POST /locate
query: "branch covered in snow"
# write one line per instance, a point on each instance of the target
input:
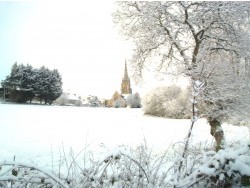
(28, 174)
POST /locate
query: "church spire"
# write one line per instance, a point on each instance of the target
(125, 85)
(125, 71)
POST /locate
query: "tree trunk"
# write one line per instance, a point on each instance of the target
(217, 132)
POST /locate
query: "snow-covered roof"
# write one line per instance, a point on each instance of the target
(71, 96)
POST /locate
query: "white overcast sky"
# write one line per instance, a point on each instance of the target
(76, 37)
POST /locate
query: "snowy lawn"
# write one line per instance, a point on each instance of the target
(38, 134)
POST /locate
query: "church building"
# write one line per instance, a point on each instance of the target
(118, 100)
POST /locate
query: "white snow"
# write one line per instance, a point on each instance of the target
(38, 134)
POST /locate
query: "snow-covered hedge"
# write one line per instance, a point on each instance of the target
(139, 167)
(227, 168)
(167, 101)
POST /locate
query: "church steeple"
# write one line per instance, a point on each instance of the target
(125, 71)
(125, 85)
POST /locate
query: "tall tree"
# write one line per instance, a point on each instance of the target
(48, 86)
(20, 80)
(28, 77)
(15, 77)
(55, 89)
(183, 36)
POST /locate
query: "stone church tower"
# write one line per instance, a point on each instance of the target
(125, 85)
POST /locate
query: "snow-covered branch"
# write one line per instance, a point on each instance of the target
(29, 174)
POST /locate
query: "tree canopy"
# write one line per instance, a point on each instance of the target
(205, 41)
(182, 33)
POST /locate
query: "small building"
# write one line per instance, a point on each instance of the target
(4, 93)
(16, 94)
(68, 99)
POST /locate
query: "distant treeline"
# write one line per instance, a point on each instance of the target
(25, 83)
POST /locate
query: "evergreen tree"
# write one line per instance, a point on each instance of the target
(21, 77)
(28, 77)
(48, 86)
(41, 83)
(55, 86)
(14, 79)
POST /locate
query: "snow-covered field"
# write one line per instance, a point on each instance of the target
(38, 134)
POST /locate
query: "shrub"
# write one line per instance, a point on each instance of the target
(227, 168)
(167, 101)
(134, 101)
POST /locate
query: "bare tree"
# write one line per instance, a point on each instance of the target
(182, 37)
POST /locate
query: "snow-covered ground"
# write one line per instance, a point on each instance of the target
(38, 134)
